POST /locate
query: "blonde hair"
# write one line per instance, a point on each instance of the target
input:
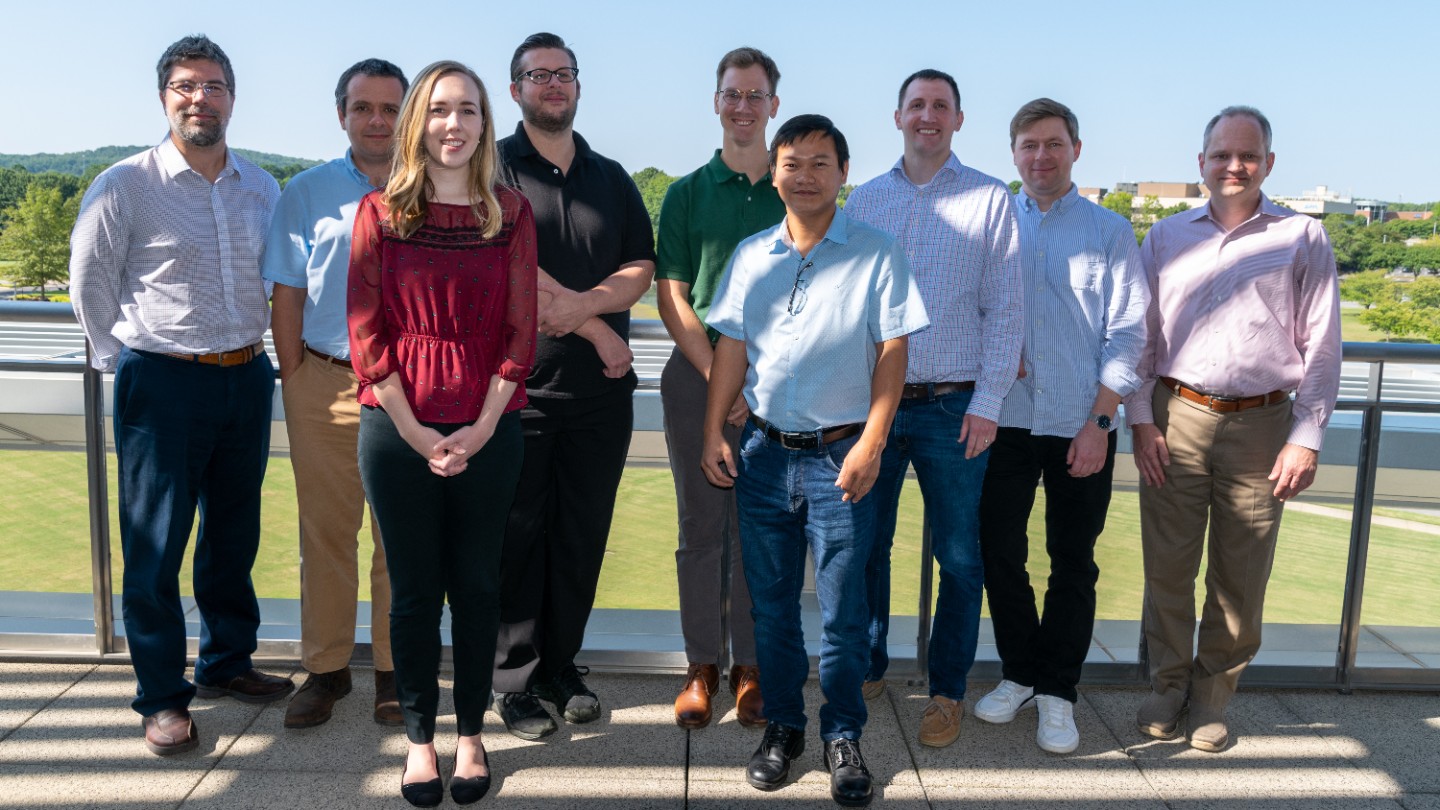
(409, 189)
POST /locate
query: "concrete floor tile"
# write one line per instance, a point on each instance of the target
(1397, 733)
(599, 791)
(92, 724)
(738, 795)
(1025, 796)
(1420, 801)
(1308, 801)
(109, 785)
(27, 688)
(1001, 756)
(224, 789)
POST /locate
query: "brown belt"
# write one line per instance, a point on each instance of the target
(238, 357)
(1222, 404)
(808, 440)
(931, 390)
(345, 364)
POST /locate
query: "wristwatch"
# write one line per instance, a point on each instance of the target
(1101, 421)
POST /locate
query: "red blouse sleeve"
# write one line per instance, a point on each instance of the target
(519, 332)
(371, 353)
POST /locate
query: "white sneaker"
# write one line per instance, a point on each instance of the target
(1057, 733)
(1001, 705)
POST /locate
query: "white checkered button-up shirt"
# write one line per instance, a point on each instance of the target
(163, 260)
(960, 235)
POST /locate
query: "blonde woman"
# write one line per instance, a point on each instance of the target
(442, 336)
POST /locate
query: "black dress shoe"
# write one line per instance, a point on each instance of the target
(470, 789)
(849, 778)
(422, 794)
(523, 715)
(770, 765)
(250, 686)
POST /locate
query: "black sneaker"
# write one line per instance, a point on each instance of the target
(523, 715)
(572, 698)
(849, 778)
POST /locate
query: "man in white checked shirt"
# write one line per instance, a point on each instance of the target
(165, 275)
(957, 227)
(1244, 310)
(1085, 297)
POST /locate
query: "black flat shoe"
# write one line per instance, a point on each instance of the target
(470, 789)
(423, 794)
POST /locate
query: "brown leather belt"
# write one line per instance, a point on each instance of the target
(345, 364)
(1222, 404)
(808, 440)
(931, 390)
(238, 357)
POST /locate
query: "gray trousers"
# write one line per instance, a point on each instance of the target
(708, 525)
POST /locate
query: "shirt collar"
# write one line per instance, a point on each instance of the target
(354, 170)
(835, 233)
(720, 173)
(952, 165)
(526, 148)
(175, 164)
(1266, 209)
(1066, 200)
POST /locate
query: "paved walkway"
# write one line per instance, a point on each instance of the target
(67, 739)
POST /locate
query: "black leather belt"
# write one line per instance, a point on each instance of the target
(930, 390)
(808, 440)
(333, 360)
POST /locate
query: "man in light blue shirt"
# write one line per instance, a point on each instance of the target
(1085, 300)
(813, 317)
(307, 256)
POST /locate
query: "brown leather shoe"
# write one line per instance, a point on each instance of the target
(692, 707)
(252, 686)
(170, 731)
(749, 704)
(315, 701)
(387, 704)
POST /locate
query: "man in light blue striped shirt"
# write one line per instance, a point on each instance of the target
(958, 229)
(1085, 299)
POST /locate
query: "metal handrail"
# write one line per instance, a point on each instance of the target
(1367, 463)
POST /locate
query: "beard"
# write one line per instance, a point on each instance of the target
(547, 121)
(198, 133)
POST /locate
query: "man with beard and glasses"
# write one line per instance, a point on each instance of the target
(597, 256)
(307, 257)
(165, 273)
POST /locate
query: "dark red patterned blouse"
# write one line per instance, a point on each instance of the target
(445, 308)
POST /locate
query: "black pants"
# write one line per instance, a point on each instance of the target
(555, 540)
(1044, 651)
(442, 540)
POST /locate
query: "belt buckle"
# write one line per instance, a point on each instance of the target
(799, 441)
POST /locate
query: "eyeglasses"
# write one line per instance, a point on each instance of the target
(733, 97)
(799, 289)
(566, 75)
(209, 89)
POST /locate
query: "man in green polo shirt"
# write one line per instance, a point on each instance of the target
(705, 215)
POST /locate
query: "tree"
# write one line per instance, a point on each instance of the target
(1393, 319)
(1368, 288)
(844, 194)
(1015, 186)
(653, 184)
(1121, 202)
(37, 237)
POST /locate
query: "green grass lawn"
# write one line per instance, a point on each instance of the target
(44, 546)
(1352, 330)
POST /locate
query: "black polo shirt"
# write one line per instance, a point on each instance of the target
(588, 222)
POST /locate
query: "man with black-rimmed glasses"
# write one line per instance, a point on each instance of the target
(165, 271)
(597, 256)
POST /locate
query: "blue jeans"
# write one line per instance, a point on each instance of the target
(925, 432)
(189, 435)
(787, 500)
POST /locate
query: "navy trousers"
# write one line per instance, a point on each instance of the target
(189, 435)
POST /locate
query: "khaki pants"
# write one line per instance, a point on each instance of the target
(322, 418)
(1218, 471)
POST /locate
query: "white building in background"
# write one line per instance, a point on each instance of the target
(1319, 201)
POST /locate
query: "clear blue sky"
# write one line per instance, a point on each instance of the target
(1348, 86)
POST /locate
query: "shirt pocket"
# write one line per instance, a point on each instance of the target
(1085, 273)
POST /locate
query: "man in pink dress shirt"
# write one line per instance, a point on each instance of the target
(1243, 312)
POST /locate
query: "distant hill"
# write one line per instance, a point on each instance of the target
(76, 162)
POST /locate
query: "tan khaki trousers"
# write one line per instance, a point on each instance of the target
(322, 418)
(1218, 471)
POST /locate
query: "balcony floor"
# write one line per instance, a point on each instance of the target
(68, 739)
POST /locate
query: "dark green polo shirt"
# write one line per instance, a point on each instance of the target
(705, 215)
